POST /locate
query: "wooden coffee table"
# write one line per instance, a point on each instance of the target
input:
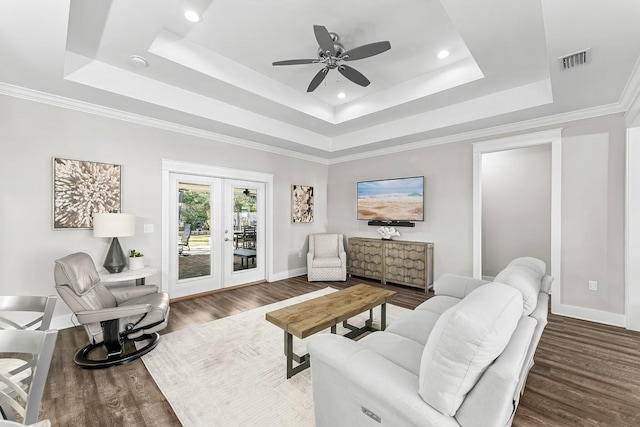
(306, 318)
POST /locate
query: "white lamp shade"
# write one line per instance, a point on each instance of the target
(114, 224)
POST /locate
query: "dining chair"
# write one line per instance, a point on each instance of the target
(26, 312)
(20, 395)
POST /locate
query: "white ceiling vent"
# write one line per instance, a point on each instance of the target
(576, 59)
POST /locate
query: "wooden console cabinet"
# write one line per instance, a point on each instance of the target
(395, 261)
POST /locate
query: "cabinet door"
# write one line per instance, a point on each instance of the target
(365, 258)
(406, 263)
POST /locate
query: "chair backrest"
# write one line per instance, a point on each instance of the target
(326, 245)
(20, 394)
(14, 309)
(78, 284)
(186, 234)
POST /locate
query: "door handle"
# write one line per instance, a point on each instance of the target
(226, 239)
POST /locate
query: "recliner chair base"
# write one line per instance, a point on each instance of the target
(114, 358)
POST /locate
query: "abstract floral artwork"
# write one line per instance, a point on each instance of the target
(81, 188)
(302, 203)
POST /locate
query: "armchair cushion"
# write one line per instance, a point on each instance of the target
(466, 339)
(326, 262)
(326, 245)
(127, 292)
(80, 274)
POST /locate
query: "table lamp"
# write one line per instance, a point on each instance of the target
(114, 225)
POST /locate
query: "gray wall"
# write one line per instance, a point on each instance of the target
(516, 206)
(33, 133)
(594, 252)
(447, 170)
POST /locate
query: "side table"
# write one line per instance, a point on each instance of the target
(123, 276)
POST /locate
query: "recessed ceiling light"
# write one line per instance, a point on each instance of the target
(342, 95)
(442, 54)
(138, 61)
(192, 16)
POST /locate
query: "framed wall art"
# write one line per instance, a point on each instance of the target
(301, 203)
(81, 188)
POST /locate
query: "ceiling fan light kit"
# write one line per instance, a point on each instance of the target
(332, 54)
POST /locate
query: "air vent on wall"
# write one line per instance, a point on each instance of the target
(575, 59)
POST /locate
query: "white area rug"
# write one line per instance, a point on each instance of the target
(231, 372)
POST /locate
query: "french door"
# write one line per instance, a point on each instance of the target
(216, 232)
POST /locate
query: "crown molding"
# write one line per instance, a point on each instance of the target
(630, 97)
(555, 120)
(112, 113)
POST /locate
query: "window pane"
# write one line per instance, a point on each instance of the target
(245, 218)
(194, 224)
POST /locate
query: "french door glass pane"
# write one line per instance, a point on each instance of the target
(194, 225)
(245, 219)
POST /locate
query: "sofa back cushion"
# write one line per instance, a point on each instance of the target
(534, 264)
(526, 280)
(466, 339)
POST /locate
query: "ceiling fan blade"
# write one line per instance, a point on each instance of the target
(295, 62)
(324, 39)
(367, 50)
(317, 79)
(353, 75)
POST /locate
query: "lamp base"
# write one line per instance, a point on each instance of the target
(115, 260)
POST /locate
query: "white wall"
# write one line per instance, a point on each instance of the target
(33, 133)
(516, 206)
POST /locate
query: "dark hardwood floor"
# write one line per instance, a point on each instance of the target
(585, 374)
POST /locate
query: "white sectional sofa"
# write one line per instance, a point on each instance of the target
(459, 359)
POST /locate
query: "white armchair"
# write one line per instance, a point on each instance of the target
(326, 259)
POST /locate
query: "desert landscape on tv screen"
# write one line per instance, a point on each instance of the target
(391, 199)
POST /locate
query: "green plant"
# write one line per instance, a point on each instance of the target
(134, 254)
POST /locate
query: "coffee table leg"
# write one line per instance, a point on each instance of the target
(291, 356)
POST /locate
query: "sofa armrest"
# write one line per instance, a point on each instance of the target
(94, 316)
(349, 379)
(456, 286)
(126, 293)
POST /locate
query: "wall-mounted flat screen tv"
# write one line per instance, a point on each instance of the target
(400, 199)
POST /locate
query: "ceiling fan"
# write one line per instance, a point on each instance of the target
(332, 54)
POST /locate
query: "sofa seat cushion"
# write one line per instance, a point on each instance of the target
(397, 349)
(438, 304)
(327, 262)
(416, 325)
(527, 281)
(466, 339)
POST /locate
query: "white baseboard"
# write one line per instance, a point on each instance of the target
(288, 274)
(582, 313)
(62, 322)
